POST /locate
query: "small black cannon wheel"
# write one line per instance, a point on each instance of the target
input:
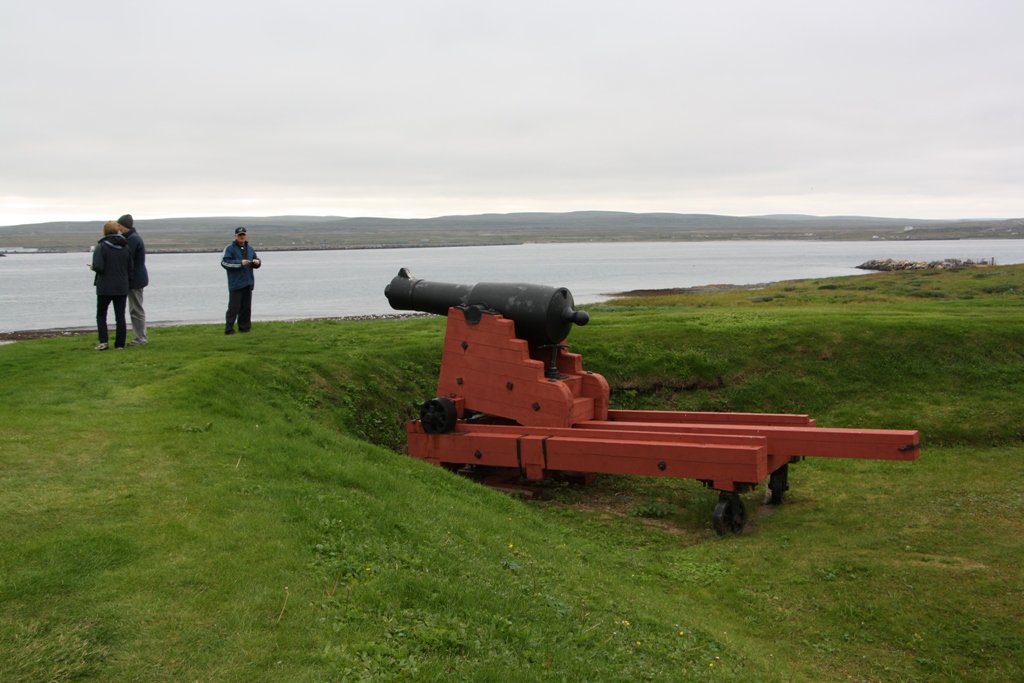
(778, 483)
(438, 415)
(730, 515)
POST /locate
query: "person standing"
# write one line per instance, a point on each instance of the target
(112, 263)
(239, 261)
(137, 279)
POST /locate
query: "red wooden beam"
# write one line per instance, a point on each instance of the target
(722, 459)
(787, 442)
(770, 419)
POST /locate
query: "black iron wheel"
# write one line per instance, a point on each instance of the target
(778, 484)
(438, 415)
(730, 514)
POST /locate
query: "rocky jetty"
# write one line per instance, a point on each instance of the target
(896, 264)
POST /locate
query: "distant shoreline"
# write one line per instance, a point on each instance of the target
(200, 234)
(273, 249)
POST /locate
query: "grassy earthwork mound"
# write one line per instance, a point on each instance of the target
(239, 508)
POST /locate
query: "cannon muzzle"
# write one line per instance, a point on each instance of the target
(542, 315)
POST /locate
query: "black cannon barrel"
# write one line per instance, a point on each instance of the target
(542, 315)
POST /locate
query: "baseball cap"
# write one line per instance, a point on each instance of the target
(240, 231)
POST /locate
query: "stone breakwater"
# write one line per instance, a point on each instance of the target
(895, 264)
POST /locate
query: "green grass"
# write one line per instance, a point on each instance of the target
(234, 508)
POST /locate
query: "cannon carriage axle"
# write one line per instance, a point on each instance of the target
(511, 396)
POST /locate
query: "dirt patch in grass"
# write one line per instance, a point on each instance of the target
(44, 334)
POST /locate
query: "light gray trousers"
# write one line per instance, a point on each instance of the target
(138, 314)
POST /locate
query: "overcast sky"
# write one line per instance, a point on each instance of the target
(412, 109)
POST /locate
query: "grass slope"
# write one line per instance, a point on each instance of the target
(208, 508)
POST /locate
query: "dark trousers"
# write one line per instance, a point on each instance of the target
(103, 301)
(240, 307)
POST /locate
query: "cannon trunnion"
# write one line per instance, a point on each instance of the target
(510, 395)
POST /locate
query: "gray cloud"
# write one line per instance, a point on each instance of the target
(421, 108)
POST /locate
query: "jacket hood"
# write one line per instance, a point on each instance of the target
(117, 241)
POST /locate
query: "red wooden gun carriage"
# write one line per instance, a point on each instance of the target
(511, 397)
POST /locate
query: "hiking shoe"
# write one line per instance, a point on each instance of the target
(136, 342)
(103, 347)
(229, 331)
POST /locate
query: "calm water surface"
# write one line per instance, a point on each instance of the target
(46, 291)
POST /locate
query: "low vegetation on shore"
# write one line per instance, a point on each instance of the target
(238, 508)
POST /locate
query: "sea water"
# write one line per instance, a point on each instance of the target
(55, 291)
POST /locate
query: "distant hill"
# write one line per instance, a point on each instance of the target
(336, 232)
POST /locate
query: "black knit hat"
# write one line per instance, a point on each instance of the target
(126, 220)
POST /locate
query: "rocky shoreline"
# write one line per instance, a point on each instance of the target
(896, 264)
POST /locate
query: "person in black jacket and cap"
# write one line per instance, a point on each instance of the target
(239, 261)
(112, 263)
(137, 279)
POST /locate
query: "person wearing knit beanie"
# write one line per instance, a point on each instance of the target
(138, 279)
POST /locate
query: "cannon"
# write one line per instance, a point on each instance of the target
(542, 315)
(513, 402)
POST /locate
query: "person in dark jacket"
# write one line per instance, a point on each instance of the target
(239, 261)
(137, 279)
(112, 263)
